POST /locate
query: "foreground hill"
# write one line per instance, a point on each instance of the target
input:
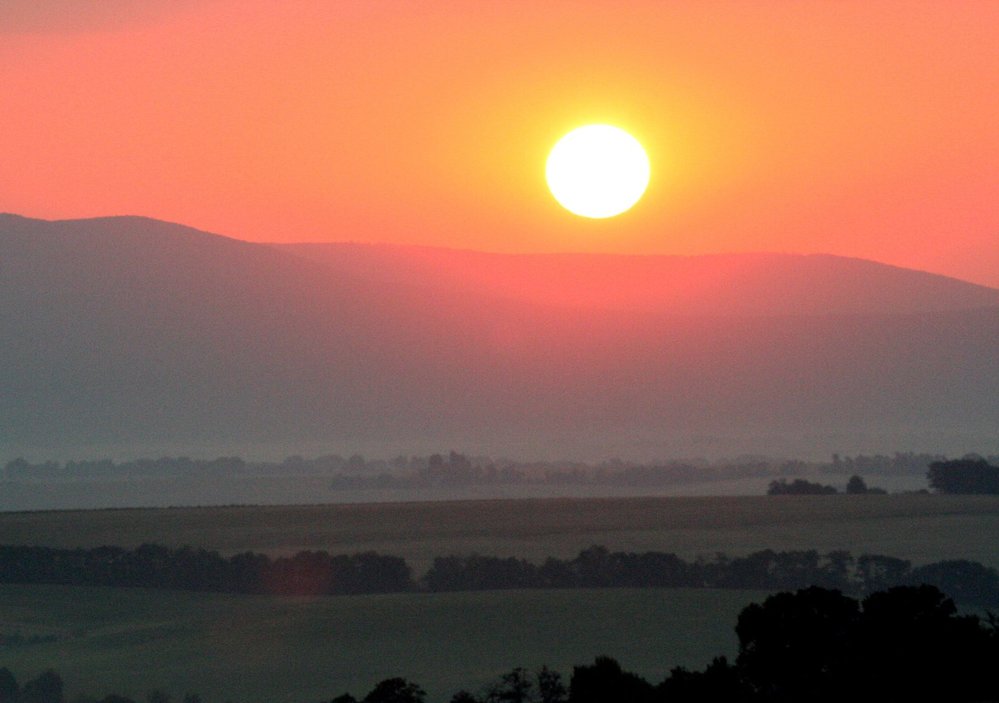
(133, 333)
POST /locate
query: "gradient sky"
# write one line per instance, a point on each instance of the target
(866, 129)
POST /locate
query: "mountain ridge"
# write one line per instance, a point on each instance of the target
(118, 333)
(775, 283)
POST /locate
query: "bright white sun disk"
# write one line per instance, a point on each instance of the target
(597, 171)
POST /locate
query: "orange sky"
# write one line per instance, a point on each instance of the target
(859, 128)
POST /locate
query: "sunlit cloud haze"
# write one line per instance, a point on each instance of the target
(857, 128)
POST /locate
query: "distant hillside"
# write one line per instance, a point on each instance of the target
(732, 284)
(129, 332)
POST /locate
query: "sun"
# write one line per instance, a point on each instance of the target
(597, 171)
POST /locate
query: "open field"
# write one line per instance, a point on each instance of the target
(922, 528)
(194, 491)
(253, 649)
(259, 649)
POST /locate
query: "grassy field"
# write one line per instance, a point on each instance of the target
(922, 528)
(257, 649)
(270, 650)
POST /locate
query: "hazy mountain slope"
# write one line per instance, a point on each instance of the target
(133, 332)
(757, 284)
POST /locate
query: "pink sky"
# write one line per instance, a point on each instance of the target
(866, 129)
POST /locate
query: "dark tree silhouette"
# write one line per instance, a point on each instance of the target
(720, 681)
(876, 572)
(344, 698)
(904, 644)
(911, 645)
(792, 647)
(967, 581)
(798, 487)
(396, 690)
(513, 687)
(550, 686)
(605, 682)
(116, 698)
(9, 689)
(856, 485)
(968, 475)
(46, 688)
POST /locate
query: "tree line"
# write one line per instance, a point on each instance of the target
(320, 573)
(907, 643)
(457, 469)
(189, 569)
(855, 485)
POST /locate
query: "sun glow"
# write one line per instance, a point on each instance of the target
(597, 171)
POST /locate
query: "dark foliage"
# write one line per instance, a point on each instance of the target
(604, 681)
(799, 487)
(550, 686)
(396, 690)
(344, 698)
(319, 573)
(968, 475)
(792, 647)
(967, 581)
(720, 681)
(903, 644)
(9, 690)
(46, 688)
(155, 566)
(856, 485)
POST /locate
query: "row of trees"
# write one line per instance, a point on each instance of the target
(450, 469)
(455, 468)
(818, 645)
(319, 573)
(156, 566)
(800, 487)
(597, 567)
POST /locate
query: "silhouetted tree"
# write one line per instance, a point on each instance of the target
(798, 487)
(968, 475)
(835, 570)
(967, 581)
(550, 686)
(9, 689)
(513, 687)
(720, 681)
(605, 682)
(116, 698)
(792, 647)
(876, 572)
(593, 567)
(396, 690)
(856, 485)
(46, 688)
(157, 696)
(911, 645)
